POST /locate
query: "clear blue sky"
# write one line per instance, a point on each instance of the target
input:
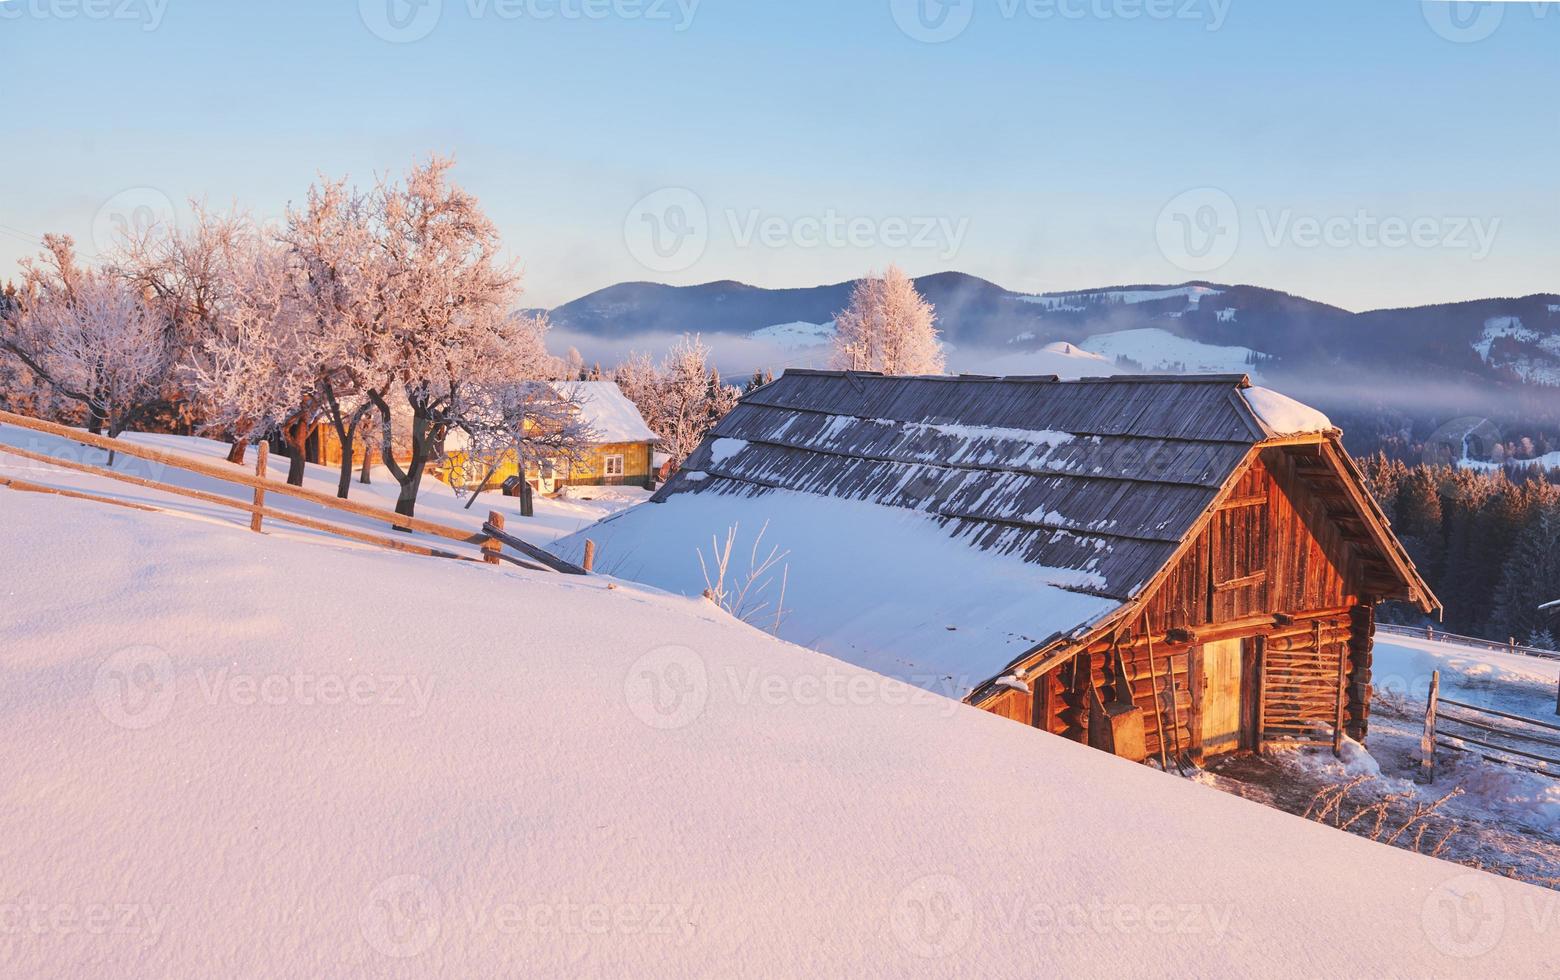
(1051, 144)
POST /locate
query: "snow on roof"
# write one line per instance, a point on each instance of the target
(976, 518)
(610, 412)
(1283, 415)
(884, 588)
(313, 775)
(1075, 494)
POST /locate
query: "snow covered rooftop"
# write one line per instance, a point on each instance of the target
(940, 528)
(609, 411)
(241, 755)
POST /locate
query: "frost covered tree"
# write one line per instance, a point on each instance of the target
(18, 386)
(888, 328)
(188, 275)
(88, 337)
(445, 323)
(532, 424)
(1531, 577)
(334, 276)
(682, 398)
(511, 414)
(255, 377)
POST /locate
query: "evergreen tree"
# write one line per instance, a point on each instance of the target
(1531, 577)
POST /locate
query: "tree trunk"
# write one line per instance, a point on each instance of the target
(406, 500)
(236, 454)
(348, 438)
(297, 437)
(344, 484)
(366, 477)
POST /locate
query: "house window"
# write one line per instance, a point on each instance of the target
(613, 465)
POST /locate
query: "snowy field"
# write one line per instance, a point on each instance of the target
(280, 755)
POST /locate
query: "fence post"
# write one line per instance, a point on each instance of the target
(1342, 689)
(590, 555)
(255, 517)
(492, 547)
(1427, 741)
(1557, 699)
(1429, 632)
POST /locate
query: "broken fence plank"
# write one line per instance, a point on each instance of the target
(532, 551)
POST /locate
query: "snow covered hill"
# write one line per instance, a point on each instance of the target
(1156, 351)
(242, 755)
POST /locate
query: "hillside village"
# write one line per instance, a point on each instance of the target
(1185, 572)
(624, 489)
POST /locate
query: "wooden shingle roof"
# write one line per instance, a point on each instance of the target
(1100, 476)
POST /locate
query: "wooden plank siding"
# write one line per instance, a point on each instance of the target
(1281, 556)
(592, 470)
(1269, 569)
(589, 472)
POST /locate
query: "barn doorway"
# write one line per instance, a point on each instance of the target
(1222, 673)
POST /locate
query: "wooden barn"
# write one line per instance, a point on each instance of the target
(1222, 555)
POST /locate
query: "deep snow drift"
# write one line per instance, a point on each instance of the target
(230, 754)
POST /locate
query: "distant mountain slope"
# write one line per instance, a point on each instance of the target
(1510, 342)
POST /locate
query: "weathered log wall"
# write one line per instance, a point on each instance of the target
(1270, 569)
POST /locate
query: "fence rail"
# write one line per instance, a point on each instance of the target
(490, 540)
(1502, 737)
(1430, 633)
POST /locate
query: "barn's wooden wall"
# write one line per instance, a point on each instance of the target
(1268, 551)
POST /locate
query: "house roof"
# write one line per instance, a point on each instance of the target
(1050, 471)
(1070, 490)
(609, 412)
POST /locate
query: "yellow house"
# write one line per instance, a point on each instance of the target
(623, 455)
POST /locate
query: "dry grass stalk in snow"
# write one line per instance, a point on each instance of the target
(742, 596)
(1387, 820)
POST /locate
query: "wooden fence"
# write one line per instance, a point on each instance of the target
(490, 541)
(1498, 736)
(1431, 633)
